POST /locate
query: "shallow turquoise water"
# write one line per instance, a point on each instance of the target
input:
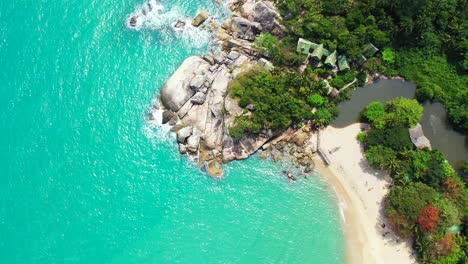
(85, 179)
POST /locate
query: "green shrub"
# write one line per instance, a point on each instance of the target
(316, 100)
(374, 111)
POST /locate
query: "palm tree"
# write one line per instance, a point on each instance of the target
(392, 165)
(406, 153)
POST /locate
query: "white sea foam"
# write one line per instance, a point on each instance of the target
(341, 205)
(163, 20)
(154, 128)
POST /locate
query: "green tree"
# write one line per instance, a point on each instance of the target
(403, 111)
(374, 111)
(266, 44)
(396, 138)
(404, 205)
(378, 156)
(388, 55)
(316, 100)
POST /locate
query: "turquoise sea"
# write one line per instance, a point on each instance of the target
(86, 179)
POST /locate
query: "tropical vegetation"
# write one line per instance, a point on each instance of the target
(428, 200)
(424, 41)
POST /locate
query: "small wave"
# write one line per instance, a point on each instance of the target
(342, 207)
(143, 14)
(157, 18)
(154, 128)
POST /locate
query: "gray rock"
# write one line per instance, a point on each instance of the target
(291, 176)
(214, 128)
(133, 21)
(213, 68)
(233, 55)
(266, 64)
(219, 57)
(179, 24)
(276, 156)
(209, 59)
(193, 141)
(310, 167)
(267, 16)
(200, 18)
(245, 29)
(264, 13)
(204, 89)
(264, 154)
(173, 121)
(183, 134)
(167, 116)
(250, 107)
(182, 149)
(176, 91)
(197, 82)
(199, 98)
(214, 168)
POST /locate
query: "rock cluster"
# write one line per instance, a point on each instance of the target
(296, 146)
(196, 103)
(250, 20)
(195, 97)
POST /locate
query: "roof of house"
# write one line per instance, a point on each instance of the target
(418, 138)
(362, 59)
(343, 64)
(318, 52)
(370, 50)
(304, 46)
(331, 59)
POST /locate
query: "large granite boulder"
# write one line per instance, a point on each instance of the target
(214, 129)
(183, 134)
(267, 15)
(177, 90)
(198, 99)
(200, 18)
(193, 141)
(244, 29)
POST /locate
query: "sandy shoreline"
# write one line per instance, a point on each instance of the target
(360, 191)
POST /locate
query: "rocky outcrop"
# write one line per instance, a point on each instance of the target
(244, 29)
(266, 14)
(178, 90)
(196, 98)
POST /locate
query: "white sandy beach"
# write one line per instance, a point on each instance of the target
(360, 191)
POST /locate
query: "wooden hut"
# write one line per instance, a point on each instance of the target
(369, 50)
(417, 137)
(304, 46)
(343, 64)
(318, 53)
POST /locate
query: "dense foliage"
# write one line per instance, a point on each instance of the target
(423, 40)
(279, 99)
(428, 200)
(437, 80)
(348, 25)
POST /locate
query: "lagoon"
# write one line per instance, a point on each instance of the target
(434, 122)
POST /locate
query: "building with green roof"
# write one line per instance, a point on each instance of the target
(318, 53)
(370, 50)
(343, 64)
(304, 46)
(330, 61)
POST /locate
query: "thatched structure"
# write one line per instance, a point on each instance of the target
(417, 137)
